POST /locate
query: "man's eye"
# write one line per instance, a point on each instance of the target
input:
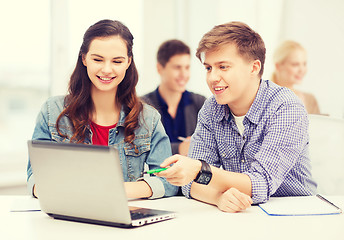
(207, 69)
(223, 67)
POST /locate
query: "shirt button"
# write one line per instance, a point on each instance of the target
(116, 131)
(242, 160)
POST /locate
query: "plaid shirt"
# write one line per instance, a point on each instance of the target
(273, 150)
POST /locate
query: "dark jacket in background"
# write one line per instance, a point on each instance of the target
(190, 113)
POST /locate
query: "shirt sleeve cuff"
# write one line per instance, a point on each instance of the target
(259, 188)
(156, 185)
(186, 190)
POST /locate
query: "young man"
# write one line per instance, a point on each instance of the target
(252, 128)
(178, 108)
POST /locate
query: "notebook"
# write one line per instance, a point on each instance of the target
(299, 206)
(84, 183)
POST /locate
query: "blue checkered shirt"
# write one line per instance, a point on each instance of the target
(273, 149)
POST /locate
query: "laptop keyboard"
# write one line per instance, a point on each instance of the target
(140, 214)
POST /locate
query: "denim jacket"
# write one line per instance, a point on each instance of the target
(151, 144)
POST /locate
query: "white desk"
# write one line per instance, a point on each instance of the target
(195, 220)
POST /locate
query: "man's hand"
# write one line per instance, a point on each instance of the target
(233, 201)
(183, 170)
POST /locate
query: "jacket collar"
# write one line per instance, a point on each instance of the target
(121, 118)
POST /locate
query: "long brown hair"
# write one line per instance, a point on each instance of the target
(78, 102)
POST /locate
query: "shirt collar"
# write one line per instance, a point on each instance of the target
(253, 115)
(185, 100)
(255, 111)
(221, 111)
(120, 122)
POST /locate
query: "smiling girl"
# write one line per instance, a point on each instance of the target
(102, 108)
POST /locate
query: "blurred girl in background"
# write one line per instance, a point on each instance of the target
(290, 60)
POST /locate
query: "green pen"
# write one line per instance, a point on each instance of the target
(155, 170)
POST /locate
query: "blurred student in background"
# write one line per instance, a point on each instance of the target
(290, 60)
(177, 106)
(102, 108)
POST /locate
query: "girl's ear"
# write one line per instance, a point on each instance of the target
(129, 62)
(83, 60)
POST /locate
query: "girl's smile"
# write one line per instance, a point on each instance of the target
(106, 80)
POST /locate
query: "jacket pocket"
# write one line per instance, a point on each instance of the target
(227, 152)
(137, 148)
(55, 136)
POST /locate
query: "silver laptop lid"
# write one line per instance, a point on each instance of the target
(77, 180)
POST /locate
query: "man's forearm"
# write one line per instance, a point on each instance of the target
(224, 180)
(205, 193)
(221, 181)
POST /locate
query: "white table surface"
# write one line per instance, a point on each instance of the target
(195, 220)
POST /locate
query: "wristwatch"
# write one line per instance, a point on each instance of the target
(205, 174)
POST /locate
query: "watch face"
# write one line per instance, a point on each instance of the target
(204, 178)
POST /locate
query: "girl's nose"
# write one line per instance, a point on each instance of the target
(106, 68)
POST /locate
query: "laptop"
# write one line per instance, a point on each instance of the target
(84, 183)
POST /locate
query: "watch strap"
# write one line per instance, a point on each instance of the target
(205, 166)
(205, 170)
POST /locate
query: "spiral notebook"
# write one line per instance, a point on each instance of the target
(300, 206)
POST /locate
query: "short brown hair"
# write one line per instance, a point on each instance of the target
(171, 48)
(249, 43)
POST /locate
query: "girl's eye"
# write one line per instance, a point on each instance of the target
(118, 62)
(97, 60)
(207, 69)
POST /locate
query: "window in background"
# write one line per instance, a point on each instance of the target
(24, 80)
